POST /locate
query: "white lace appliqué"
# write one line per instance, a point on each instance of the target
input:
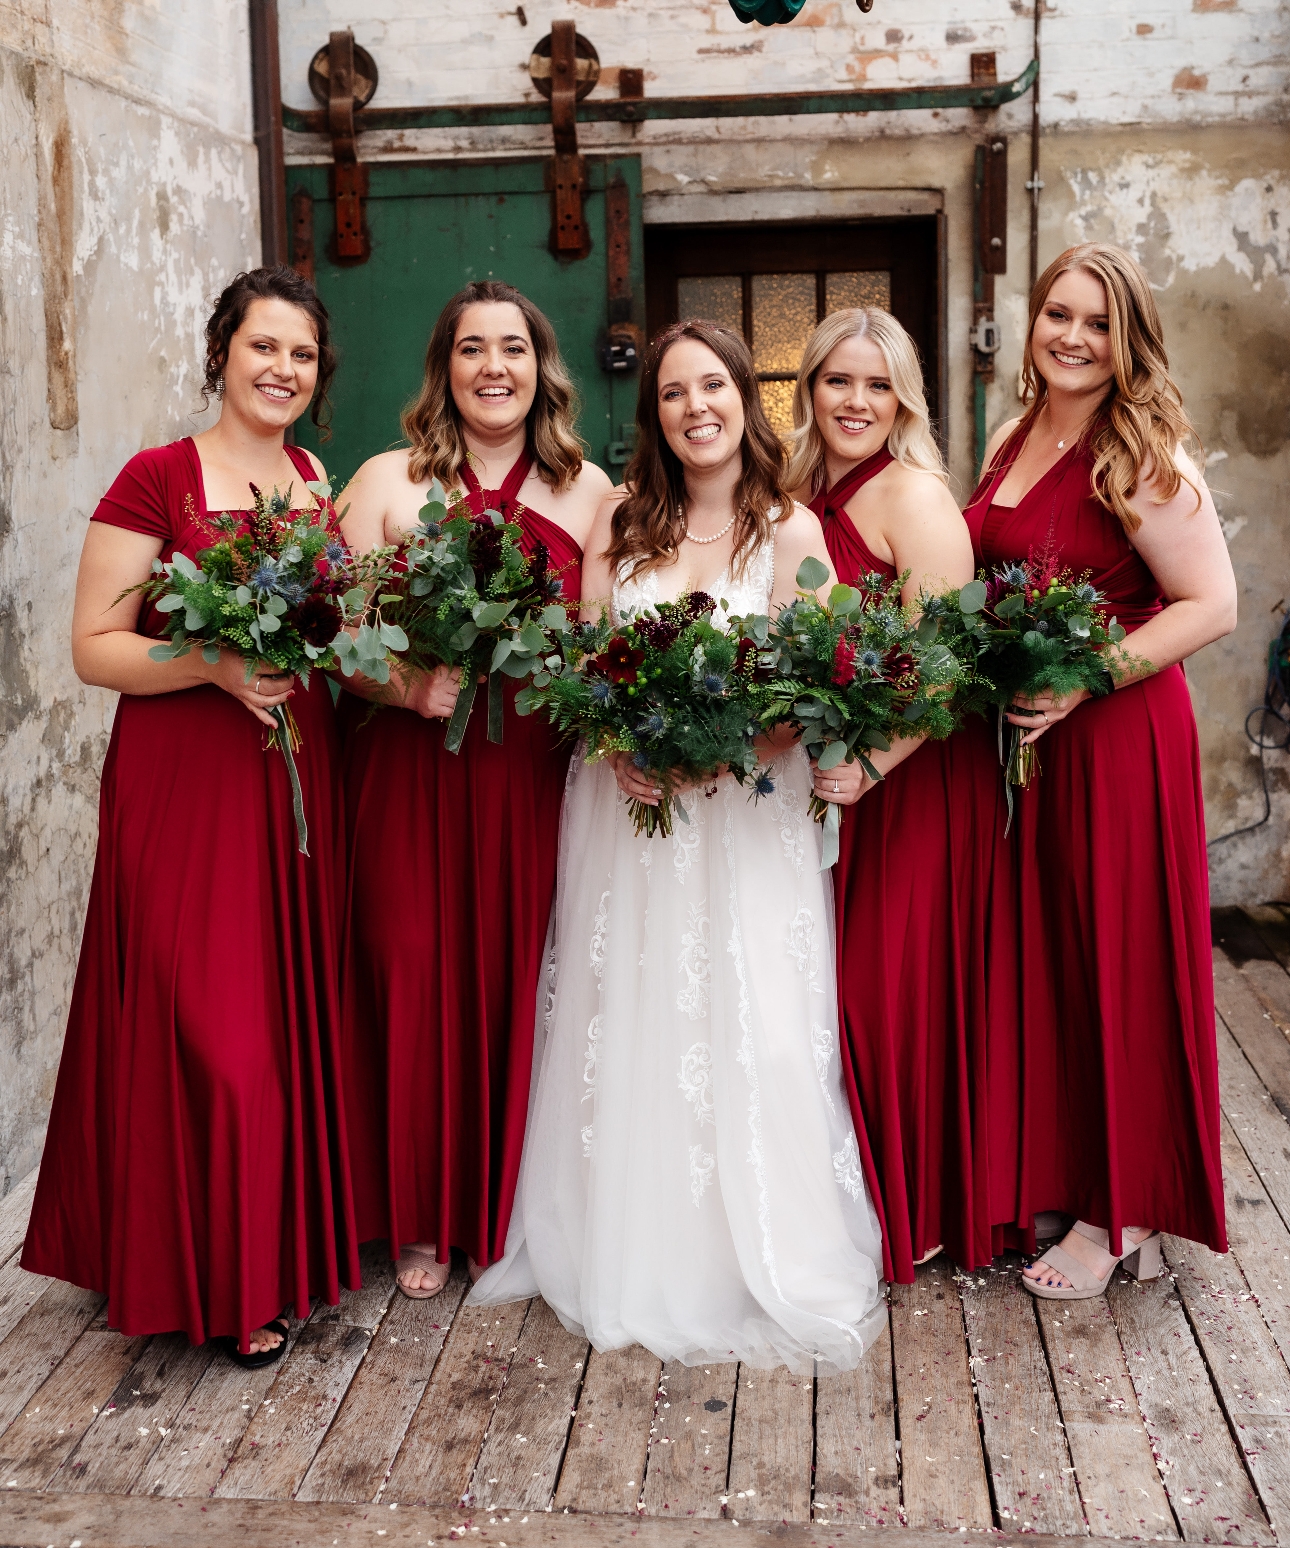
(787, 812)
(591, 1059)
(599, 929)
(822, 1041)
(702, 1163)
(695, 1081)
(588, 1134)
(696, 964)
(846, 1168)
(802, 945)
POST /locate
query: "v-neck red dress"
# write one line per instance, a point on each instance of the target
(452, 875)
(195, 1166)
(920, 855)
(1109, 1111)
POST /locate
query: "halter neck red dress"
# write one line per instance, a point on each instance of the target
(1117, 1064)
(195, 1166)
(919, 857)
(452, 875)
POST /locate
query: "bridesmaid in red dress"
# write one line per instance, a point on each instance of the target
(911, 943)
(1112, 1106)
(453, 855)
(195, 1166)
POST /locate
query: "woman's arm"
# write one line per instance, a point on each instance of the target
(106, 651)
(927, 534)
(597, 578)
(1182, 544)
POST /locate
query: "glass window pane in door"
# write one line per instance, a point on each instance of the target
(783, 319)
(717, 298)
(861, 287)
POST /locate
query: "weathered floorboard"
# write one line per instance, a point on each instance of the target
(435, 1462)
(1258, 1238)
(689, 1455)
(1253, 1003)
(772, 1445)
(857, 1464)
(1119, 1482)
(1263, 1132)
(520, 1461)
(19, 1292)
(1245, 1365)
(14, 1210)
(114, 1453)
(943, 1479)
(62, 1408)
(1273, 927)
(39, 1341)
(1025, 1446)
(354, 1460)
(604, 1465)
(1209, 1490)
(210, 1425)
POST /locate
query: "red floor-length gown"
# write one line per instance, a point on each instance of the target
(195, 1165)
(1110, 1112)
(452, 874)
(919, 855)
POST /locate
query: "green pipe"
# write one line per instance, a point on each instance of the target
(619, 110)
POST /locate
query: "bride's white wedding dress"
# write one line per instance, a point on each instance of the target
(690, 1179)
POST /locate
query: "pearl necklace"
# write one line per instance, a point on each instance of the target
(688, 536)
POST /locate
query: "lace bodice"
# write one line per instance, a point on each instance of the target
(750, 593)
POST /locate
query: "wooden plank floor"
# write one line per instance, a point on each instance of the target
(1160, 1412)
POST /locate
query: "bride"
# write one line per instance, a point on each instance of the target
(691, 1180)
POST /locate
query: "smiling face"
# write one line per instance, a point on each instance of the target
(700, 410)
(855, 404)
(493, 372)
(272, 366)
(1071, 341)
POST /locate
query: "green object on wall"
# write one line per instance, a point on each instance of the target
(434, 228)
(770, 13)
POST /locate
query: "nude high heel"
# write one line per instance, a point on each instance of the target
(1143, 1260)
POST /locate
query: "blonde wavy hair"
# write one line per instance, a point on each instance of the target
(1142, 419)
(910, 442)
(432, 422)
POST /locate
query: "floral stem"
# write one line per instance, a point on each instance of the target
(285, 736)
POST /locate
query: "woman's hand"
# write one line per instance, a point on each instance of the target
(433, 694)
(638, 784)
(1043, 711)
(268, 686)
(842, 785)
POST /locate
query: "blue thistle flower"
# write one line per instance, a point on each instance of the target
(1014, 575)
(640, 760)
(601, 693)
(1087, 593)
(870, 660)
(763, 785)
(334, 552)
(652, 725)
(292, 593)
(264, 577)
(713, 683)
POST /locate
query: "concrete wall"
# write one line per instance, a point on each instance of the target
(1162, 129)
(129, 196)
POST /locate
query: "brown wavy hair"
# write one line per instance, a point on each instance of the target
(276, 283)
(649, 524)
(432, 421)
(1142, 419)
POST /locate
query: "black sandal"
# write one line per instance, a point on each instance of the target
(262, 1357)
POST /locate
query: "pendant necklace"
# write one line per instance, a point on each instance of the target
(1061, 445)
(688, 536)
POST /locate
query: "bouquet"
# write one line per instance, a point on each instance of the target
(854, 674)
(279, 586)
(1027, 628)
(672, 689)
(473, 599)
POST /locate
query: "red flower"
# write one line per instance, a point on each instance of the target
(620, 662)
(844, 663)
(318, 620)
(899, 664)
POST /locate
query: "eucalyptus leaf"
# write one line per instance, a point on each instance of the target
(210, 654)
(832, 755)
(269, 624)
(163, 652)
(501, 651)
(878, 742)
(1011, 606)
(393, 636)
(811, 574)
(242, 596)
(488, 615)
(170, 603)
(972, 597)
(928, 629)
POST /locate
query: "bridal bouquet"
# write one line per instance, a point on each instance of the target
(679, 694)
(855, 673)
(1027, 628)
(473, 599)
(279, 586)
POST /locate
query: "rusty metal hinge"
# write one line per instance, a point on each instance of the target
(566, 78)
(623, 341)
(343, 77)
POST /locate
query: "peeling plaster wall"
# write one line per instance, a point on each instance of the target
(120, 215)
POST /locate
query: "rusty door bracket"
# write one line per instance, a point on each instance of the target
(566, 174)
(622, 342)
(348, 176)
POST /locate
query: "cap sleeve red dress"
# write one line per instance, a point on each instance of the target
(195, 1162)
(919, 856)
(452, 875)
(1114, 1098)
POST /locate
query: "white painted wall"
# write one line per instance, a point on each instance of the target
(130, 190)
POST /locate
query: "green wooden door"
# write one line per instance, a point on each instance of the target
(434, 227)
